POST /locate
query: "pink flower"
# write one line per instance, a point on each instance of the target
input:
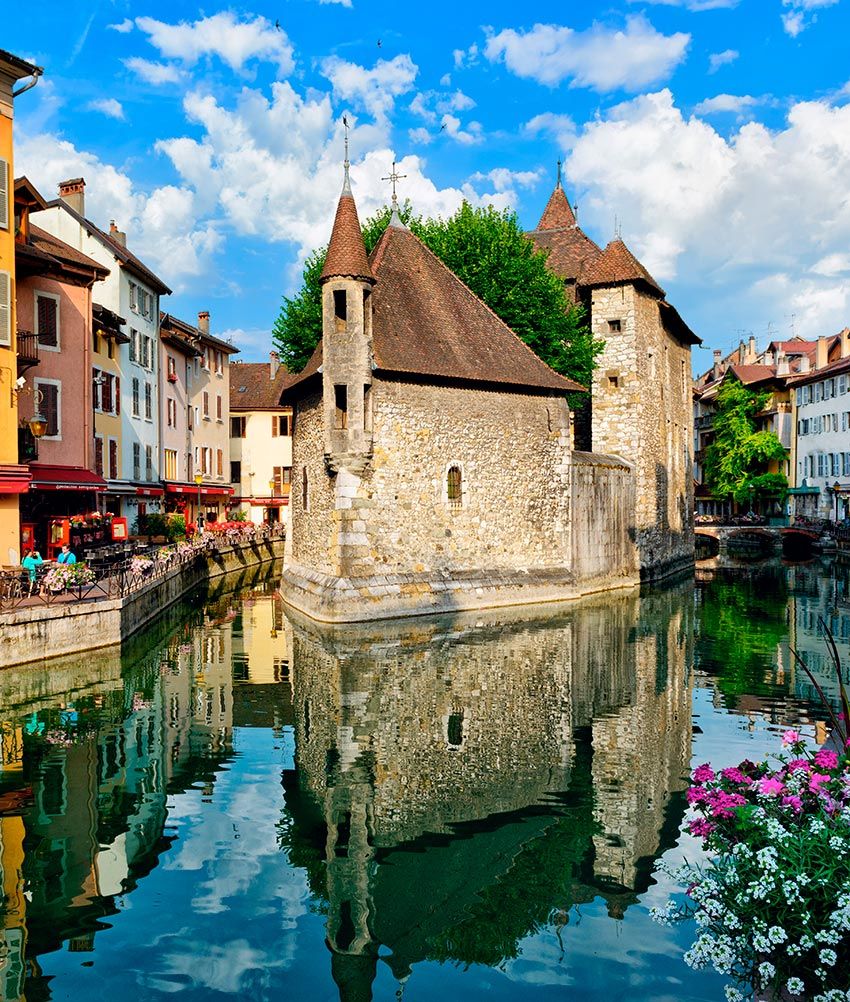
(722, 803)
(790, 737)
(771, 787)
(696, 795)
(795, 803)
(826, 758)
(798, 764)
(703, 774)
(735, 776)
(817, 780)
(701, 827)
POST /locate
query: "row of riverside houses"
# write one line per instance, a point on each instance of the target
(808, 409)
(108, 404)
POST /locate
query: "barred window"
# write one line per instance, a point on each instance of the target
(454, 487)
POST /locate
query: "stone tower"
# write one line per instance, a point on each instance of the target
(347, 282)
(641, 401)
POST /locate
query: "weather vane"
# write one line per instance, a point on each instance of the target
(394, 176)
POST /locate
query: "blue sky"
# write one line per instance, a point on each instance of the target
(716, 132)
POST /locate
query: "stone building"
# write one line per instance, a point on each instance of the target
(641, 408)
(432, 456)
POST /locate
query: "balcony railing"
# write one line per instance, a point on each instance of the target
(28, 356)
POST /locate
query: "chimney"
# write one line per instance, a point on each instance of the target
(73, 194)
(804, 363)
(783, 368)
(715, 369)
(821, 352)
(751, 349)
(844, 343)
(741, 352)
(274, 364)
(117, 235)
(204, 321)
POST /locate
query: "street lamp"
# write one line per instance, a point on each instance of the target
(836, 487)
(272, 483)
(199, 479)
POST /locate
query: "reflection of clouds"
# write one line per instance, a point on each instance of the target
(220, 967)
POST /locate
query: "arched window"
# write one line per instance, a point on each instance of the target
(454, 487)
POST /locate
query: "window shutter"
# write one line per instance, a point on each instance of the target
(50, 403)
(4, 194)
(117, 394)
(47, 327)
(275, 426)
(5, 308)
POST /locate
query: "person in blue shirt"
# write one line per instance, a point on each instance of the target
(31, 562)
(66, 556)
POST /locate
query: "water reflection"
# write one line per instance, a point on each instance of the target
(246, 804)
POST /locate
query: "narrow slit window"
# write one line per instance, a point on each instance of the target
(367, 408)
(305, 490)
(454, 487)
(340, 304)
(340, 406)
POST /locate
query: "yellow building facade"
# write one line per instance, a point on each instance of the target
(14, 478)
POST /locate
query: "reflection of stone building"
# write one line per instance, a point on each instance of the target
(449, 762)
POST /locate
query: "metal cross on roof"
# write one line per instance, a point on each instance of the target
(559, 174)
(394, 176)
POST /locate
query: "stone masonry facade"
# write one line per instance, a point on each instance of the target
(642, 411)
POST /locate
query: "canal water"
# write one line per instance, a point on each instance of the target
(245, 805)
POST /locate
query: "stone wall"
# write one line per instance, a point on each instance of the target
(40, 632)
(389, 540)
(642, 411)
(602, 511)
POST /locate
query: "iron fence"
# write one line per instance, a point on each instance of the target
(110, 579)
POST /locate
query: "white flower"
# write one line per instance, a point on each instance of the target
(794, 986)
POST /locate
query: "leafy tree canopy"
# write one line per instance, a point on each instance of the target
(488, 251)
(736, 462)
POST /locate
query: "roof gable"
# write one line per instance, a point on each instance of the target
(617, 264)
(558, 213)
(252, 388)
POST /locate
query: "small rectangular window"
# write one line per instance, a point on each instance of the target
(235, 471)
(47, 319)
(340, 406)
(237, 427)
(340, 304)
(367, 408)
(614, 326)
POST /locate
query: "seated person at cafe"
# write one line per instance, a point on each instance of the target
(66, 556)
(31, 562)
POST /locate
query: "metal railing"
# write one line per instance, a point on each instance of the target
(27, 349)
(111, 579)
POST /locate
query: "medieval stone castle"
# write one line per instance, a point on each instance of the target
(433, 459)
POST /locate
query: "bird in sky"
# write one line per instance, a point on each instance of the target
(379, 43)
(277, 25)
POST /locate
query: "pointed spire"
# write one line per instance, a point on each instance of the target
(557, 215)
(346, 251)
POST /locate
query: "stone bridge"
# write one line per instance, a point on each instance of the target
(754, 542)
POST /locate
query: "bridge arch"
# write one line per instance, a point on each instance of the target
(706, 545)
(798, 544)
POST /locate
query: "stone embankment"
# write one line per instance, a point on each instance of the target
(36, 632)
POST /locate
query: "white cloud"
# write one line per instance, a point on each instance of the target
(420, 136)
(726, 103)
(450, 125)
(795, 21)
(718, 59)
(503, 179)
(123, 27)
(154, 73)
(342, 3)
(602, 58)
(107, 106)
(832, 264)
(466, 57)
(761, 214)
(430, 104)
(561, 127)
(162, 226)
(374, 89)
(697, 5)
(446, 80)
(235, 41)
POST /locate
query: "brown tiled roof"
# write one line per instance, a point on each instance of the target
(127, 258)
(45, 242)
(753, 373)
(169, 324)
(346, 251)
(426, 322)
(617, 264)
(674, 324)
(252, 389)
(570, 250)
(558, 214)
(836, 368)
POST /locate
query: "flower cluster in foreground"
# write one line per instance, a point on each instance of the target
(773, 905)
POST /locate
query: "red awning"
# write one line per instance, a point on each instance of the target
(150, 492)
(65, 478)
(207, 490)
(14, 479)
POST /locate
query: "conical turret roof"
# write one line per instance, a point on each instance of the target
(558, 213)
(618, 264)
(346, 252)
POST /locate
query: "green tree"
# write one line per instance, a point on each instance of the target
(737, 460)
(488, 251)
